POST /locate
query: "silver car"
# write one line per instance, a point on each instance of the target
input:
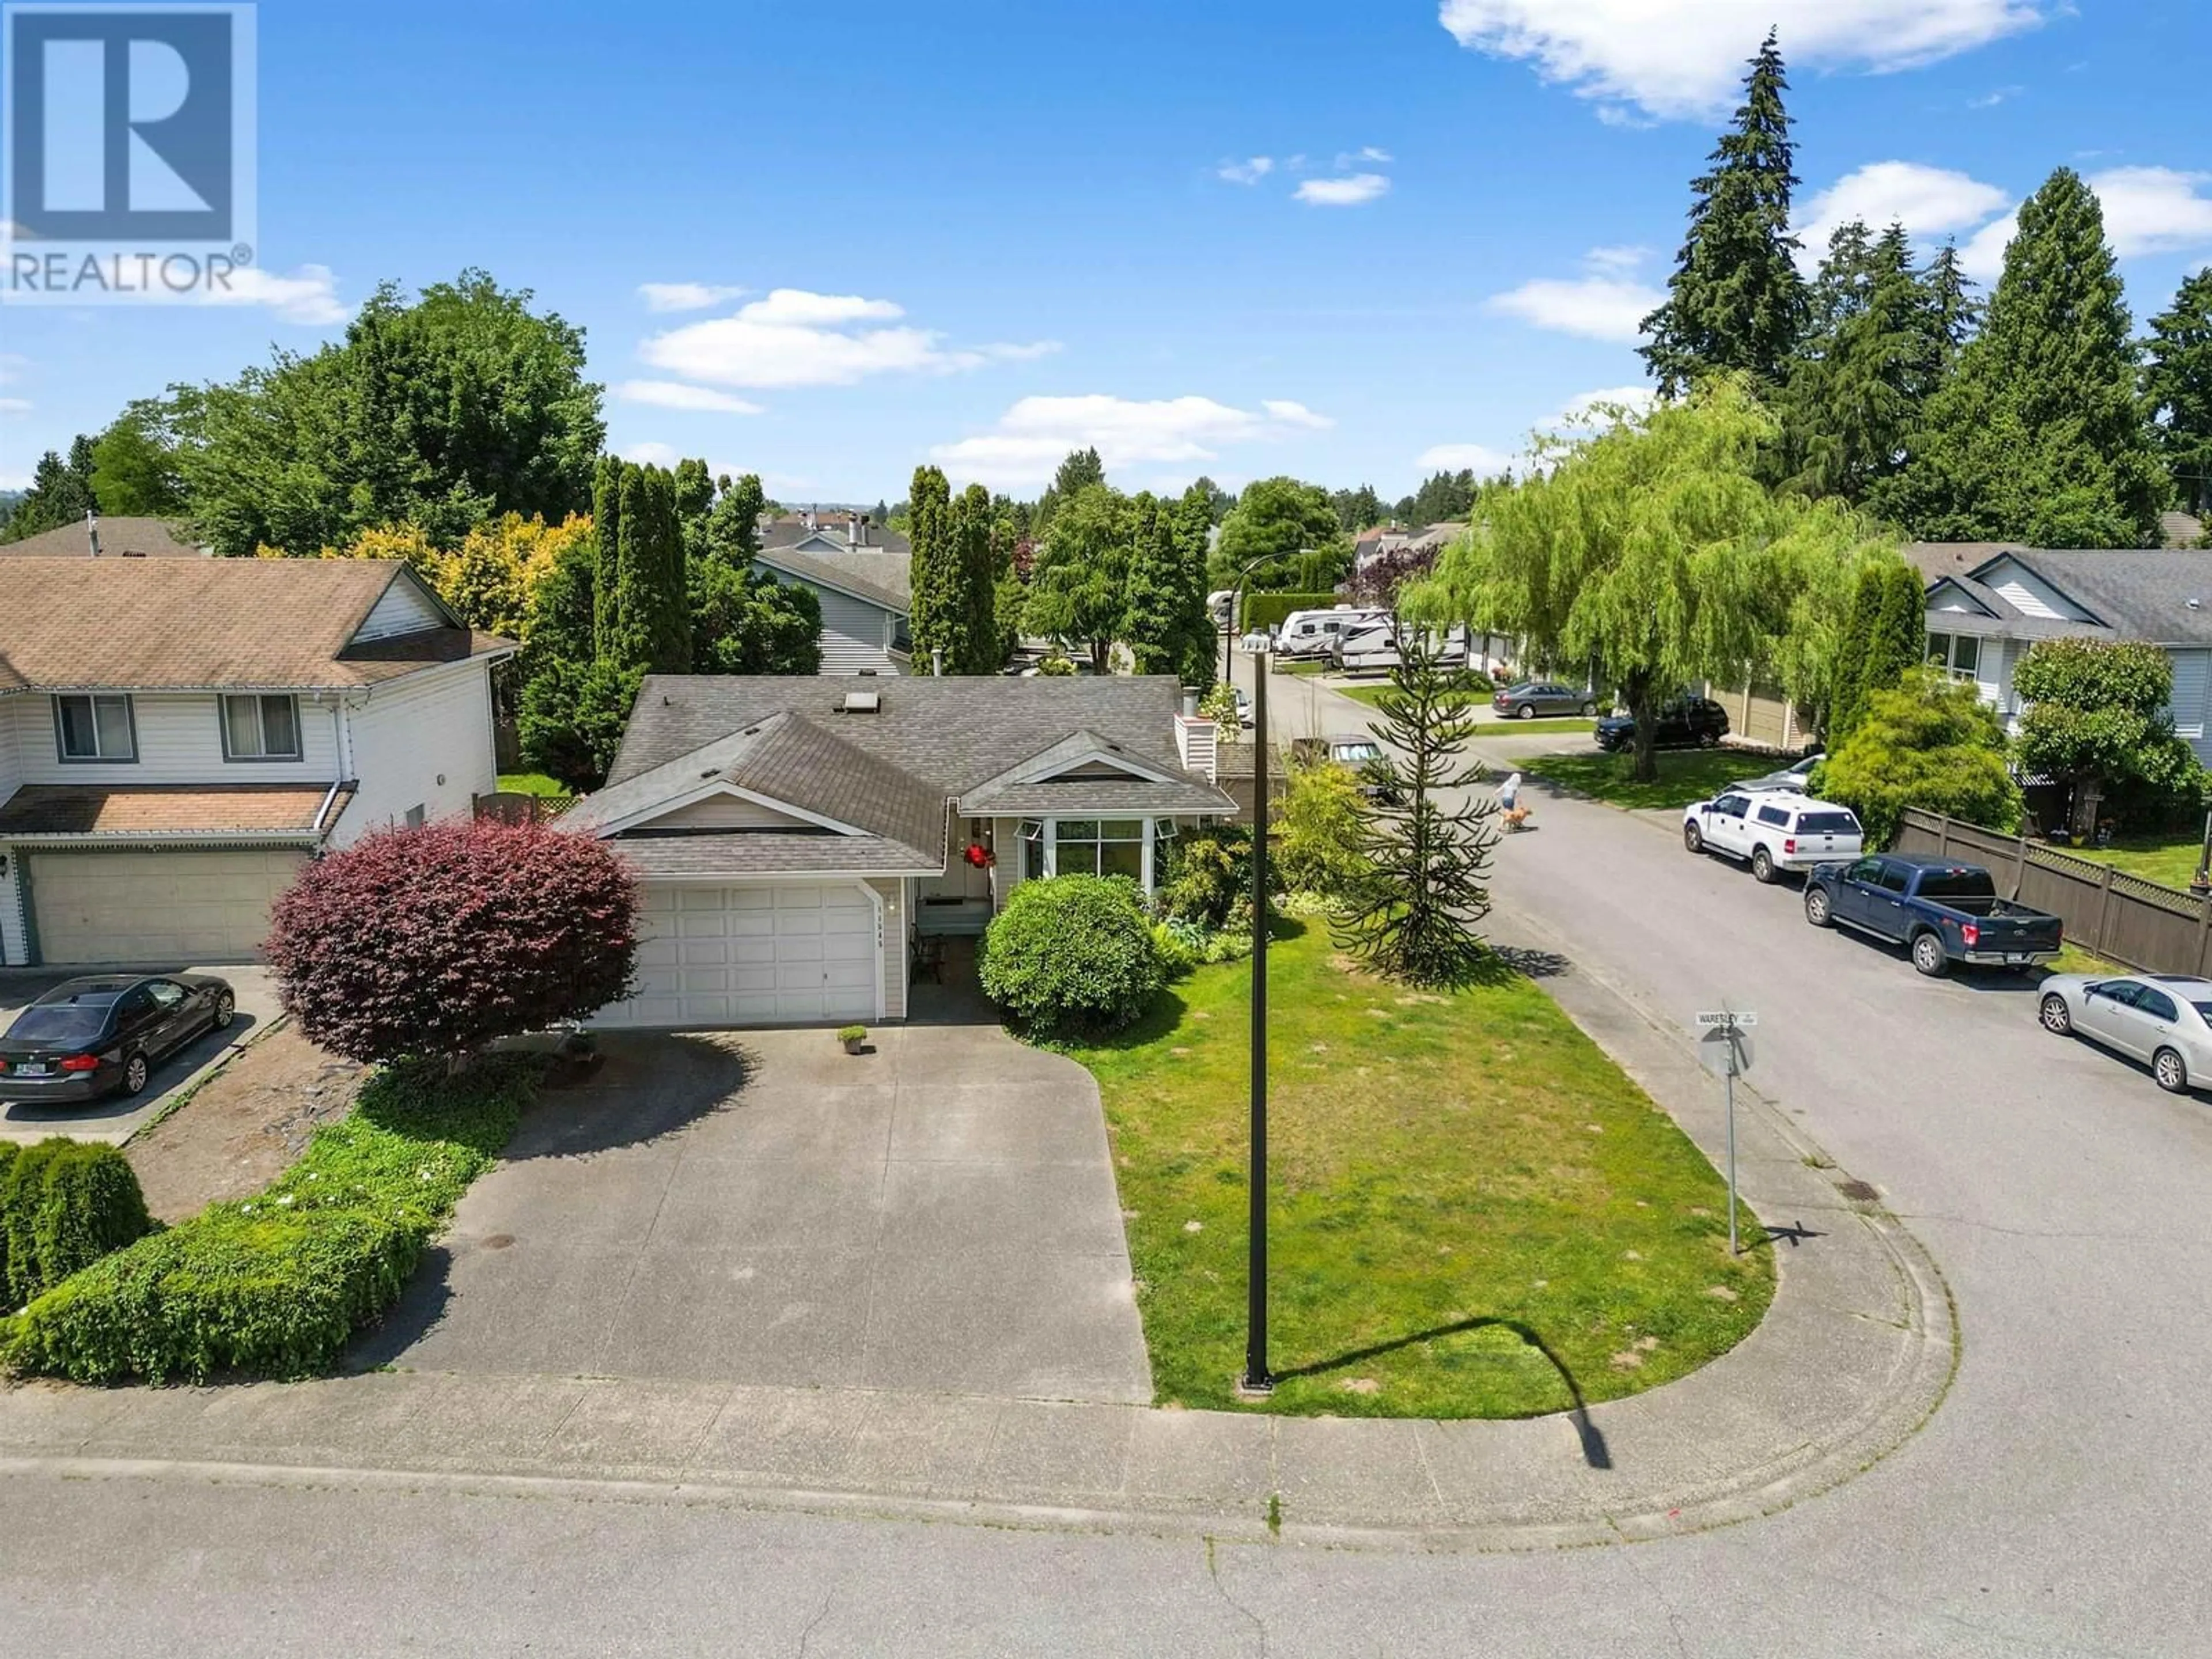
(2165, 1020)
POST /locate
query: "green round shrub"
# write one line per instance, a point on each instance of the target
(1073, 955)
(63, 1205)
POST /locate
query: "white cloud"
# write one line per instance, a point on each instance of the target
(1032, 437)
(674, 394)
(1352, 191)
(1991, 99)
(686, 296)
(1927, 201)
(1348, 158)
(2147, 210)
(309, 296)
(2153, 210)
(793, 337)
(1607, 304)
(654, 454)
(1249, 171)
(1683, 58)
(15, 405)
(1484, 461)
(1586, 409)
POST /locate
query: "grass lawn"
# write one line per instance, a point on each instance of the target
(2170, 861)
(533, 783)
(1685, 774)
(1474, 1213)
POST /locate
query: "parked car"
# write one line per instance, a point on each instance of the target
(1685, 723)
(1941, 911)
(1771, 832)
(1357, 754)
(1530, 698)
(92, 1036)
(2165, 1020)
(1798, 775)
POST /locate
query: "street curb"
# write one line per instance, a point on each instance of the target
(1855, 1351)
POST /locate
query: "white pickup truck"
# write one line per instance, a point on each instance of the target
(1771, 831)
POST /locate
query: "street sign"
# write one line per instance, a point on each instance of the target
(1726, 1017)
(1725, 1052)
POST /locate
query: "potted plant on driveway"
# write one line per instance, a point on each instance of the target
(854, 1037)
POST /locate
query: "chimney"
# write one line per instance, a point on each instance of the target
(1189, 703)
(937, 660)
(91, 530)
(1194, 744)
(852, 529)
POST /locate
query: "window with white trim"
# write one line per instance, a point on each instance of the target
(260, 728)
(95, 728)
(1135, 848)
(1959, 655)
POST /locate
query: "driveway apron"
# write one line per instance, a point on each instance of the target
(936, 1214)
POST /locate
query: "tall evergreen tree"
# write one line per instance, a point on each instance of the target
(606, 520)
(1078, 471)
(1879, 347)
(1956, 314)
(644, 619)
(61, 492)
(1193, 523)
(2039, 434)
(1735, 300)
(2178, 379)
(1153, 625)
(934, 577)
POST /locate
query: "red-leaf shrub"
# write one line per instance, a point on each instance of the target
(436, 940)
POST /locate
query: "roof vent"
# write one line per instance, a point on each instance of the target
(861, 702)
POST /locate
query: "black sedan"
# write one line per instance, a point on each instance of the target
(1685, 723)
(89, 1037)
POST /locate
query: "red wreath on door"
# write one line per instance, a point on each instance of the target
(980, 856)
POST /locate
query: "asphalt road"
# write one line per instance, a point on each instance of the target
(2053, 1506)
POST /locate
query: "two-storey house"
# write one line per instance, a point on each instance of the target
(176, 736)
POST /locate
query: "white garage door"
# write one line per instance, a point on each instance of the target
(180, 907)
(754, 955)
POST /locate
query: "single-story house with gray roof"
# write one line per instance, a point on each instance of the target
(1989, 603)
(795, 837)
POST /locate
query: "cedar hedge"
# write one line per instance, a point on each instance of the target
(276, 1285)
(63, 1205)
(1073, 955)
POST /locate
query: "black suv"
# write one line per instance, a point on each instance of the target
(1685, 723)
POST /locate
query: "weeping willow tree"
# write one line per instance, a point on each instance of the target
(1648, 554)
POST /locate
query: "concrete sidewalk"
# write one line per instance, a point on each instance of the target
(1855, 1353)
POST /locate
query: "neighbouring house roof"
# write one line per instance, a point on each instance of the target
(2164, 596)
(832, 532)
(196, 624)
(879, 578)
(2180, 529)
(119, 538)
(140, 809)
(889, 775)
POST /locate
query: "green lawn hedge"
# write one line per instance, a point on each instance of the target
(277, 1284)
(63, 1205)
(1268, 609)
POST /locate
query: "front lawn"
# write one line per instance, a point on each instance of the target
(1474, 1213)
(1685, 774)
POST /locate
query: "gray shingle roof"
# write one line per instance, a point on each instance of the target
(121, 537)
(890, 774)
(2162, 596)
(880, 578)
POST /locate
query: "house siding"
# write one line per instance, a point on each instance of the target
(855, 635)
(728, 812)
(410, 733)
(404, 608)
(2192, 683)
(179, 741)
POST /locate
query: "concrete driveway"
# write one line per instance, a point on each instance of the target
(940, 1214)
(118, 1117)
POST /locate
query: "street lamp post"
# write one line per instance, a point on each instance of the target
(1258, 1379)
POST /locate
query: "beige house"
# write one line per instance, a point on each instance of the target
(177, 735)
(796, 838)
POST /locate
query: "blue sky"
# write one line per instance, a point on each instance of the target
(826, 243)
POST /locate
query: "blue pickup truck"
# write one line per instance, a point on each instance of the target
(1941, 911)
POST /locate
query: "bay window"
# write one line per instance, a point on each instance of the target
(1135, 848)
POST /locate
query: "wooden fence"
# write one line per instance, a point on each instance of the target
(510, 806)
(2119, 917)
